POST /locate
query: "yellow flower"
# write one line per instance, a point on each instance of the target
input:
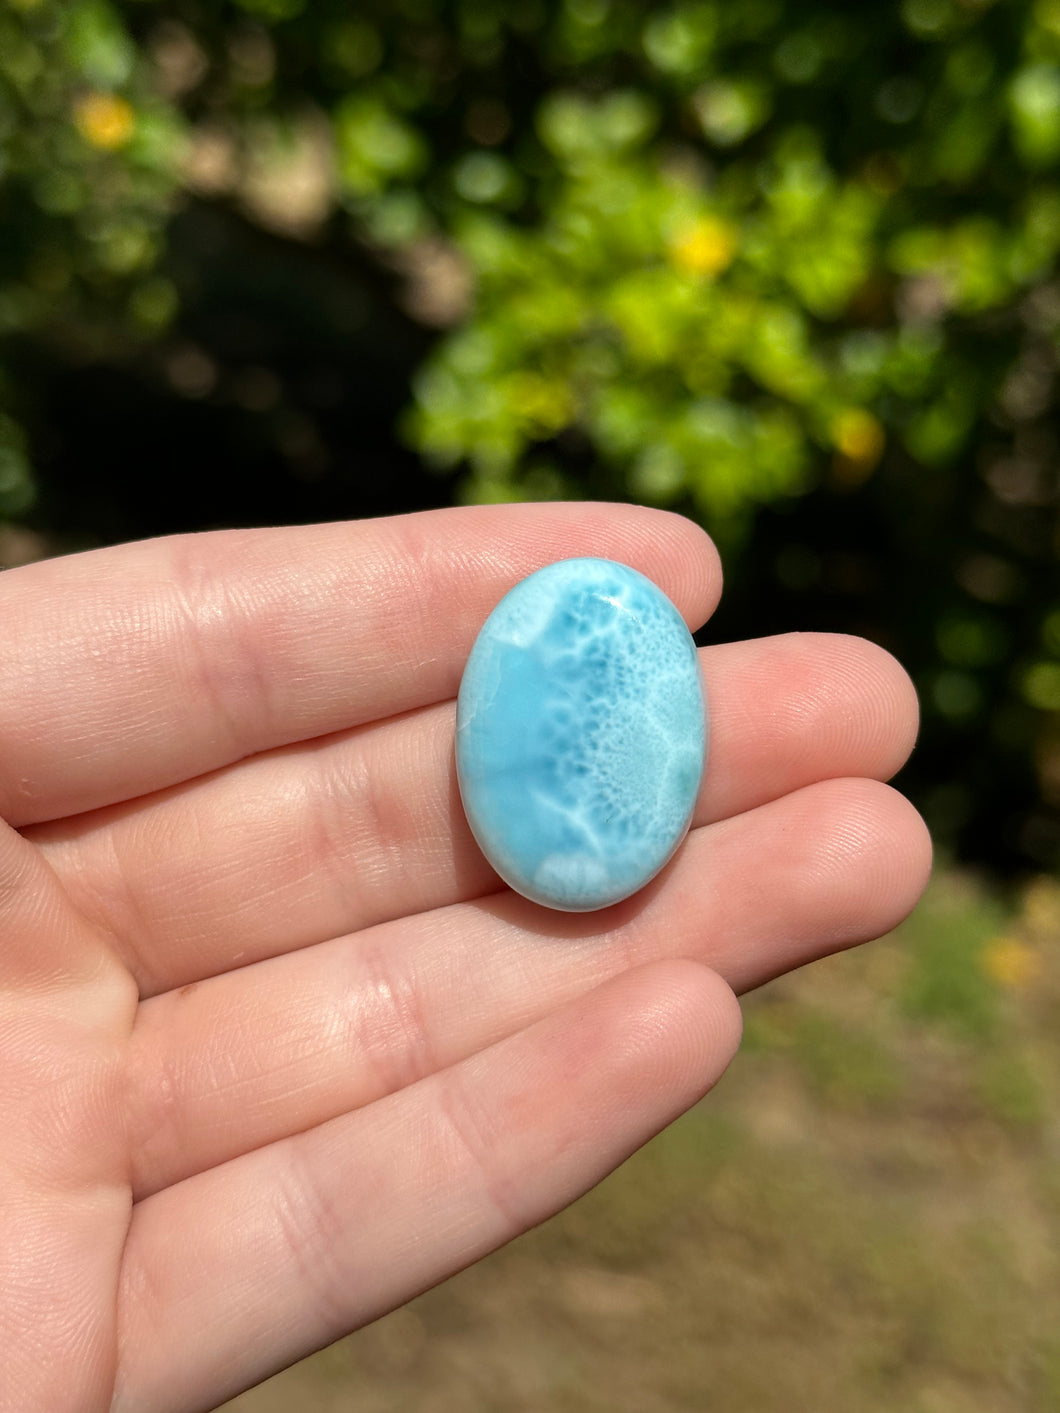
(706, 248)
(859, 439)
(1010, 962)
(105, 120)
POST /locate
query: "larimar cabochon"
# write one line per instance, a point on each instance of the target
(581, 733)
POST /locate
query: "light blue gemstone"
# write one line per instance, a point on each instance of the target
(581, 734)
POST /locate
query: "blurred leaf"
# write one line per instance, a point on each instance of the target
(789, 269)
(1035, 109)
(98, 44)
(375, 146)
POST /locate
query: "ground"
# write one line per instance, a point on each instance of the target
(864, 1217)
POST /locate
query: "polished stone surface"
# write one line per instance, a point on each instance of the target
(581, 734)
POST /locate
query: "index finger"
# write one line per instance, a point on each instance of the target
(129, 669)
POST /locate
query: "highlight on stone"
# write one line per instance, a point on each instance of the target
(581, 733)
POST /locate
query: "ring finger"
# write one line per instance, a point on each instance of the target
(243, 1059)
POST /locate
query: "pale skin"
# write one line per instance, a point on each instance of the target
(277, 1049)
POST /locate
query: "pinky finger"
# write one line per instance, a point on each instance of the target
(237, 1272)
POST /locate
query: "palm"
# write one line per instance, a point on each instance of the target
(277, 1051)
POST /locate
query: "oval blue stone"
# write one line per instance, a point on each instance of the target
(581, 734)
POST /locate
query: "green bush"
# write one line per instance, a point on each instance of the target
(748, 260)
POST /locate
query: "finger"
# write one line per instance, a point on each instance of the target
(46, 948)
(129, 669)
(246, 1058)
(65, 1010)
(290, 1247)
(311, 842)
(32, 948)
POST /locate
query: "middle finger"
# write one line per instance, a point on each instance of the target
(313, 841)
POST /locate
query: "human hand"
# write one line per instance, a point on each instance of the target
(277, 1049)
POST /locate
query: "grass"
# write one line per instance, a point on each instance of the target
(863, 1218)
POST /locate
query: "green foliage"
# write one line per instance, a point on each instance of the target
(89, 154)
(714, 256)
(706, 278)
